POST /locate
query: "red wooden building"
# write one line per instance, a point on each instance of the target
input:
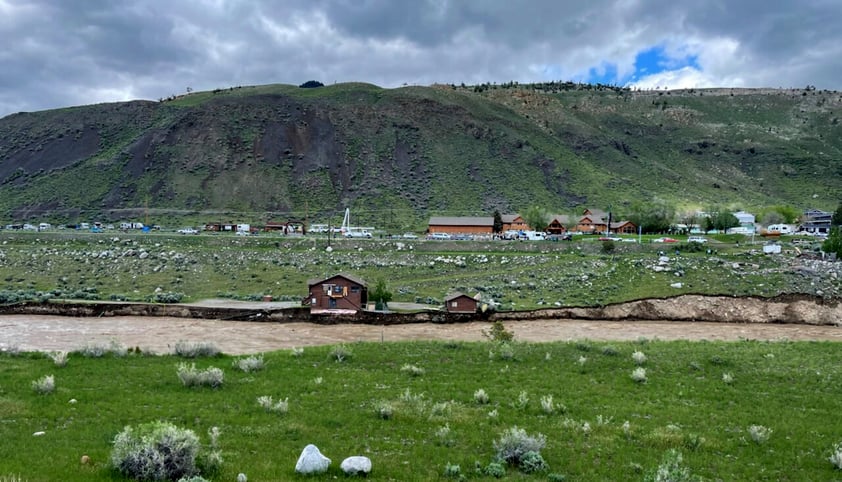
(341, 293)
(460, 303)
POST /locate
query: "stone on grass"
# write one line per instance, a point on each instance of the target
(356, 465)
(311, 461)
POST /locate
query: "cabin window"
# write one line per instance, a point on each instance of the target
(454, 304)
(355, 289)
(337, 289)
(313, 301)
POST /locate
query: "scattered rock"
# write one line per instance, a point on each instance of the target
(676, 285)
(38, 434)
(356, 465)
(311, 461)
(85, 460)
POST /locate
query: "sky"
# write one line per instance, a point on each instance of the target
(59, 53)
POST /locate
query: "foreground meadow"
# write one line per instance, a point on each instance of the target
(609, 411)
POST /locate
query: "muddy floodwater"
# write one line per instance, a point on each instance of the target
(159, 334)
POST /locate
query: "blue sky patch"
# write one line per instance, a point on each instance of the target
(647, 62)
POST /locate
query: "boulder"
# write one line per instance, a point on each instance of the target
(356, 465)
(311, 461)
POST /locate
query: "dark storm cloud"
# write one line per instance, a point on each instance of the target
(59, 53)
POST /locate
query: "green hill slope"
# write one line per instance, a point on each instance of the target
(396, 156)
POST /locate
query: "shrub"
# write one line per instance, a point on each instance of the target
(191, 349)
(759, 433)
(11, 350)
(532, 462)
(514, 443)
(608, 246)
(167, 297)
(190, 376)
(495, 469)
(250, 364)
(610, 351)
(498, 333)
(639, 375)
(639, 357)
(384, 410)
(443, 435)
(340, 353)
(506, 352)
(452, 471)
(670, 469)
(727, 378)
(156, 451)
(297, 352)
(59, 358)
(412, 370)
(522, 401)
(267, 403)
(44, 385)
(481, 397)
(836, 456)
(554, 477)
(547, 404)
(99, 350)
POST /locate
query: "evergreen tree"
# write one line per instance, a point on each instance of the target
(497, 228)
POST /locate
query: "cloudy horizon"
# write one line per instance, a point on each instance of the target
(66, 53)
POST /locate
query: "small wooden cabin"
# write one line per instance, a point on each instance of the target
(460, 303)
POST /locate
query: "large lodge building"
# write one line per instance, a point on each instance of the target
(591, 221)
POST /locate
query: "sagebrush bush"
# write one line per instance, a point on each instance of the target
(836, 456)
(495, 469)
(532, 462)
(267, 403)
(340, 353)
(190, 376)
(498, 333)
(167, 297)
(522, 401)
(156, 451)
(452, 471)
(727, 378)
(481, 397)
(196, 349)
(249, 364)
(384, 410)
(443, 435)
(59, 358)
(547, 404)
(515, 442)
(671, 469)
(44, 385)
(610, 350)
(639, 357)
(759, 434)
(99, 350)
(297, 352)
(639, 375)
(412, 370)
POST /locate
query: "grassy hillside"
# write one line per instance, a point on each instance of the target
(413, 409)
(396, 156)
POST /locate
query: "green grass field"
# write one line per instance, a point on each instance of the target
(684, 404)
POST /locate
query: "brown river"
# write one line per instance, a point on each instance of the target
(159, 334)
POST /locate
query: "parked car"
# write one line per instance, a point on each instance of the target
(357, 234)
(697, 239)
(188, 231)
(665, 240)
(610, 238)
(409, 236)
(439, 236)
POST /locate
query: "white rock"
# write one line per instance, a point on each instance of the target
(676, 285)
(38, 434)
(664, 259)
(311, 461)
(71, 401)
(329, 249)
(356, 465)
(657, 268)
(241, 477)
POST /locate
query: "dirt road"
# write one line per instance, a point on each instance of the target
(159, 334)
